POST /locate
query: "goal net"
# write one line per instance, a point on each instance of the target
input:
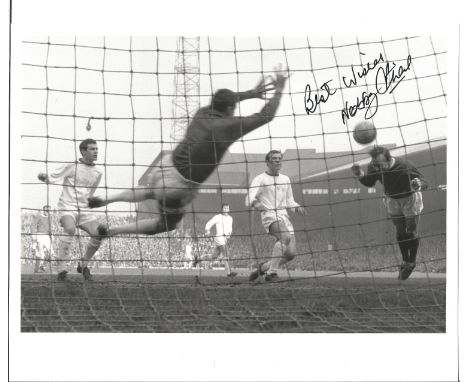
(136, 96)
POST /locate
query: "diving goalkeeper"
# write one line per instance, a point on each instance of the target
(210, 133)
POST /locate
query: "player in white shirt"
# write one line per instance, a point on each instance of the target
(188, 256)
(79, 180)
(271, 194)
(223, 228)
(41, 230)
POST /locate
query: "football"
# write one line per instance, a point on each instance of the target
(364, 132)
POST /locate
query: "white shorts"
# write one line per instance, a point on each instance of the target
(188, 256)
(170, 188)
(80, 218)
(269, 217)
(408, 206)
(43, 241)
(220, 240)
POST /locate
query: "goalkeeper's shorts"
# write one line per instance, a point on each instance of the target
(170, 188)
(411, 205)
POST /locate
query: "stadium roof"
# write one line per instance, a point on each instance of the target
(237, 169)
(397, 151)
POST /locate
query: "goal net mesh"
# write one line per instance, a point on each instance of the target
(135, 96)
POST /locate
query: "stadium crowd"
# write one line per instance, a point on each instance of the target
(321, 249)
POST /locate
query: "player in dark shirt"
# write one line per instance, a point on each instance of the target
(175, 183)
(402, 183)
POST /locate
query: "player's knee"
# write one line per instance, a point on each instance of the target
(154, 227)
(171, 221)
(167, 223)
(95, 241)
(285, 239)
(401, 236)
(67, 230)
(66, 239)
(411, 235)
(411, 228)
(401, 229)
(289, 255)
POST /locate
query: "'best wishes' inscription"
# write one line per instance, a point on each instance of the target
(387, 76)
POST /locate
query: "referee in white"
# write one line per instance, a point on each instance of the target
(223, 228)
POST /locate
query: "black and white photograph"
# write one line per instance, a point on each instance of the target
(303, 180)
(235, 189)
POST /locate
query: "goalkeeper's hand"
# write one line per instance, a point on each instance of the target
(356, 169)
(42, 176)
(416, 184)
(299, 210)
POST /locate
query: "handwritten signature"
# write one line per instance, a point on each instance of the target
(387, 77)
(311, 103)
(364, 70)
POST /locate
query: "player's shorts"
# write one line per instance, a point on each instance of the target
(80, 217)
(411, 205)
(188, 256)
(43, 241)
(269, 217)
(220, 240)
(170, 188)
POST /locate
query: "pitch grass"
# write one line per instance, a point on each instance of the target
(183, 302)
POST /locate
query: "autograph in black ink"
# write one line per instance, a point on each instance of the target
(364, 70)
(311, 103)
(385, 77)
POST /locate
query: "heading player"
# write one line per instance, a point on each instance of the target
(41, 230)
(271, 194)
(223, 230)
(80, 180)
(210, 133)
(402, 183)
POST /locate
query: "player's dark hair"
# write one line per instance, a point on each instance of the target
(85, 143)
(222, 99)
(270, 154)
(378, 150)
(224, 204)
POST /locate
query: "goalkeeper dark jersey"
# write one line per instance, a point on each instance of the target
(396, 180)
(209, 135)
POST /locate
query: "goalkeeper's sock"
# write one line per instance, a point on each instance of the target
(413, 244)
(404, 246)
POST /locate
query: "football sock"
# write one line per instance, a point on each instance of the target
(413, 244)
(37, 264)
(277, 254)
(65, 243)
(404, 247)
(91, 249)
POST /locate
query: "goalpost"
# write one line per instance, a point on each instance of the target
(122, 92)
